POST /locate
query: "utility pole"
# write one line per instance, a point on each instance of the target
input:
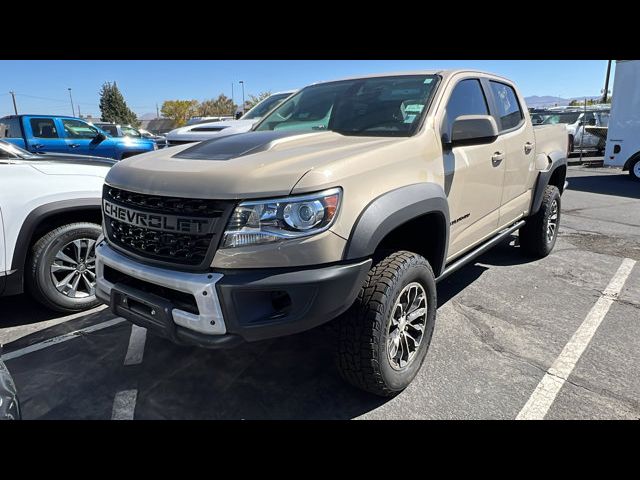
(606, 83)
(71, 98)
(157, 112)
(232, 99)
(242, 82)
(79, 114)
(13, 95)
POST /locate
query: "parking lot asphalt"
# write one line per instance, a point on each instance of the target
(506, 326)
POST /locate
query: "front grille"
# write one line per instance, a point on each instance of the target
(193, 250)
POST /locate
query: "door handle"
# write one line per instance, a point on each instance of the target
(37, 145)
(496, 158)
(528, 147)
(73, 145)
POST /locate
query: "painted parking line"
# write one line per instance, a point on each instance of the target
(11, 334)
(545, 393)
(62, 338)
(135, 351)
(124, 405)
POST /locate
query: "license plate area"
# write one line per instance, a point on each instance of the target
(144, 309)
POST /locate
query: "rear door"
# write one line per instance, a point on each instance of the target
(473, 174)
(43, 135)
(518, 141)
(81, 139)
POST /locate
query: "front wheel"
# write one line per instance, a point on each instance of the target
(538, 235)
(384, 337)
(61, 273)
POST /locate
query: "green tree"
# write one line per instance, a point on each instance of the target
(222, 105)
(255, 99)
(179, 110)
(113, 108)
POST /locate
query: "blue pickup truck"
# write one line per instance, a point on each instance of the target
(58, 134)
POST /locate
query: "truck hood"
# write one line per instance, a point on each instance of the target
(226, 127)
(246, 165)
(69, 158)
(63, 164)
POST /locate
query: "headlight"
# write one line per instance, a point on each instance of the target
(266, 221)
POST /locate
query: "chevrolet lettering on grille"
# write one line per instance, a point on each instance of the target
(155, 221)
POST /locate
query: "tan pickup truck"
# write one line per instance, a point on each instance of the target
(346, 203)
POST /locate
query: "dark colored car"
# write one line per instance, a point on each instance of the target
(9, 405)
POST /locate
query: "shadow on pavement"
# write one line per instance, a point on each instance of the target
(617, 185)
(287, 378)
(23, 310)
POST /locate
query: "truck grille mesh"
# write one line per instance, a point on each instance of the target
(194, 250)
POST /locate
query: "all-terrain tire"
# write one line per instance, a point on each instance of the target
(362, 332)
(39, 282)
(536, 241)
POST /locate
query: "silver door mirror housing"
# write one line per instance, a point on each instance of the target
(473, 130)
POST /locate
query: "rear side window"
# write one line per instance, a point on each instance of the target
(43, 128)
(467, 98)
(509, 109)
(10, 128)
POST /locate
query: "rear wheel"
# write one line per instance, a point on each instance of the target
(538, 235)
(61, 269)
(384, 337)
(634, 169)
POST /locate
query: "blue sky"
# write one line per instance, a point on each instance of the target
(145, 83)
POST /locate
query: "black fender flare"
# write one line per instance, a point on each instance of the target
(556, 160)
(393, 209)
(15, 282)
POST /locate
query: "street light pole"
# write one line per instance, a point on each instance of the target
(71, 98)
(606, 83)
(13, 95)
(242, 82)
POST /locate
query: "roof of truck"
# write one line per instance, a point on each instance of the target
(446, 73)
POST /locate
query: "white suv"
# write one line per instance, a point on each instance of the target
(49, 222)
(206, 131)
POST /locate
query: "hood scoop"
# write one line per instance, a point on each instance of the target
(233, 146)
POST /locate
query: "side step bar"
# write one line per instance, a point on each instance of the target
(473, 254)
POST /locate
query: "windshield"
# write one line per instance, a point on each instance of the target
(12, 149)
(378, 106)
(269, 103)
(568, 118)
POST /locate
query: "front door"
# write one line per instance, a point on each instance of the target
(81, 139)
(473, 174)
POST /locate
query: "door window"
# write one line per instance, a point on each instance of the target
(467, 98)
(43, 128)
(78, 129)
(509, 109)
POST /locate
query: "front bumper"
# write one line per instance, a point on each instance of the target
(229, 306)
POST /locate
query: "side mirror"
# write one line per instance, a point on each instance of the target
(239, 115)
(473, 130)
(100, 137)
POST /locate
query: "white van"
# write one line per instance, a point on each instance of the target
(623, 139)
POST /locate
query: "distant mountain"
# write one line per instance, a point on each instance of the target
(147, 116)
(550, 101)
